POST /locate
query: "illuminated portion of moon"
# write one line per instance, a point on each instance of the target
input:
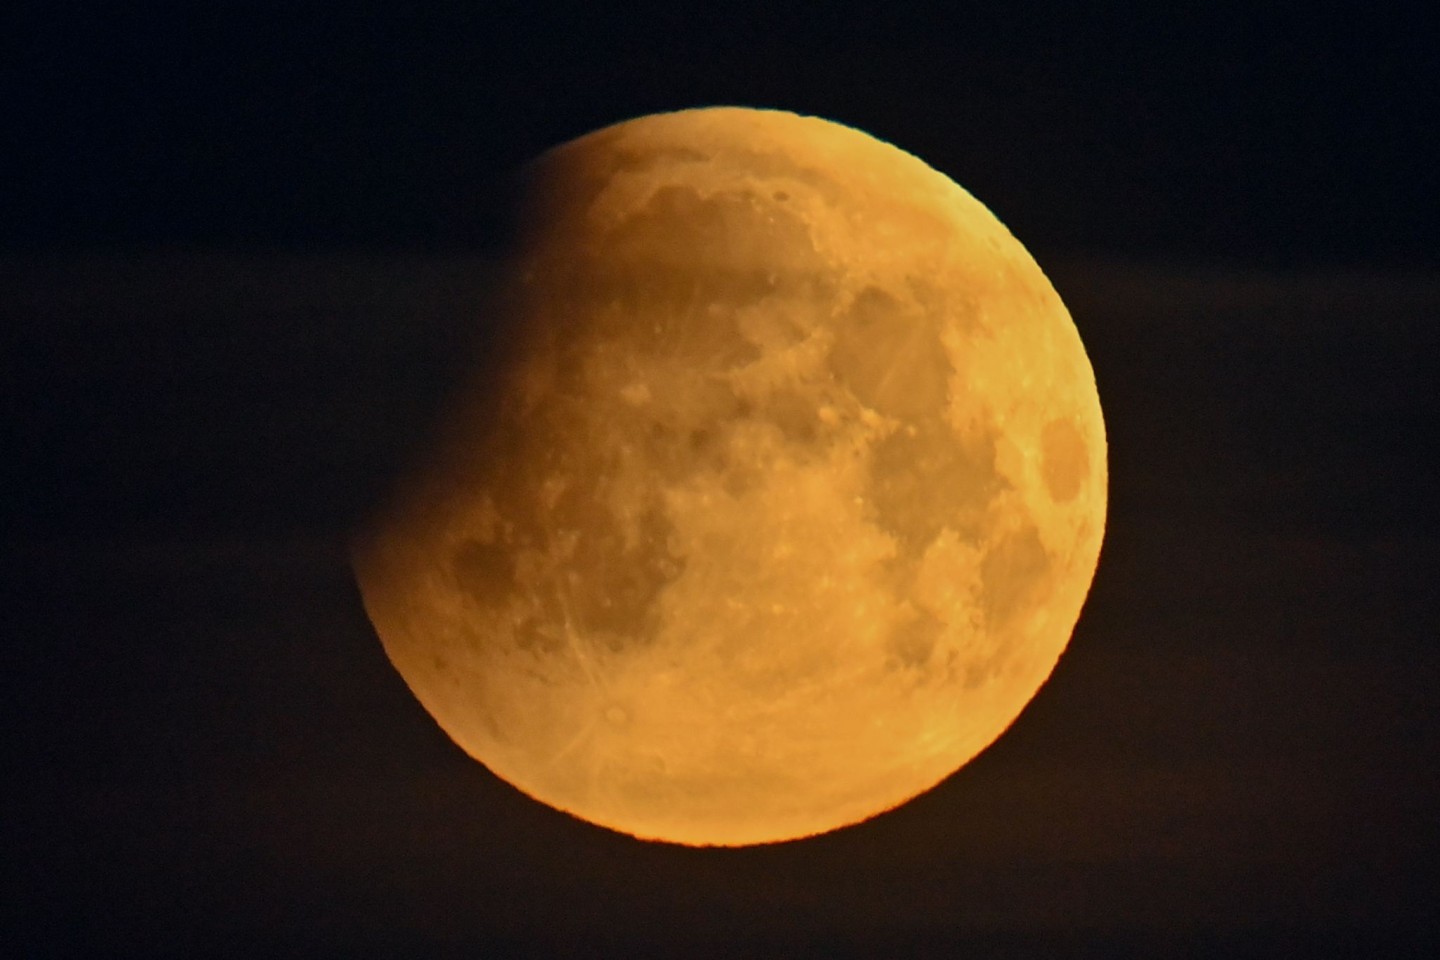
(786, 503)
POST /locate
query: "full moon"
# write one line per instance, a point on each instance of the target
(781, 504)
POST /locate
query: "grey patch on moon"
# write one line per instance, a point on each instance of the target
(684, 438)
(582, 567)
(924, 479)
(1065, 460)
(731, 248)
(912, 643)
(980, 670)
(796, 415)
(534, 634)
(628, 161)
(955, 309)
(613, 589)
(1013, 571)
(890, 356)
(763, 167)
(572, 180)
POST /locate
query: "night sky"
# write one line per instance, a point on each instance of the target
(244, 251)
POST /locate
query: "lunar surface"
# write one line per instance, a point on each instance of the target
(786, 500)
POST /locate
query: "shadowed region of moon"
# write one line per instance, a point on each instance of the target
(784, 506)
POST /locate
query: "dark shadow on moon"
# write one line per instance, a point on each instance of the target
(230, 393)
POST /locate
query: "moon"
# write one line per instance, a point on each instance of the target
(784, 501)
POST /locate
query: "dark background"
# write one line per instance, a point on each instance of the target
(242, 248)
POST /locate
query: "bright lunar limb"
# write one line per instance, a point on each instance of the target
(785, 503)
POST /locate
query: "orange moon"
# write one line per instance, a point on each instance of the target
(784, 503)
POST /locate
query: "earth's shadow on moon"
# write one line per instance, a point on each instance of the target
(438, 358)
